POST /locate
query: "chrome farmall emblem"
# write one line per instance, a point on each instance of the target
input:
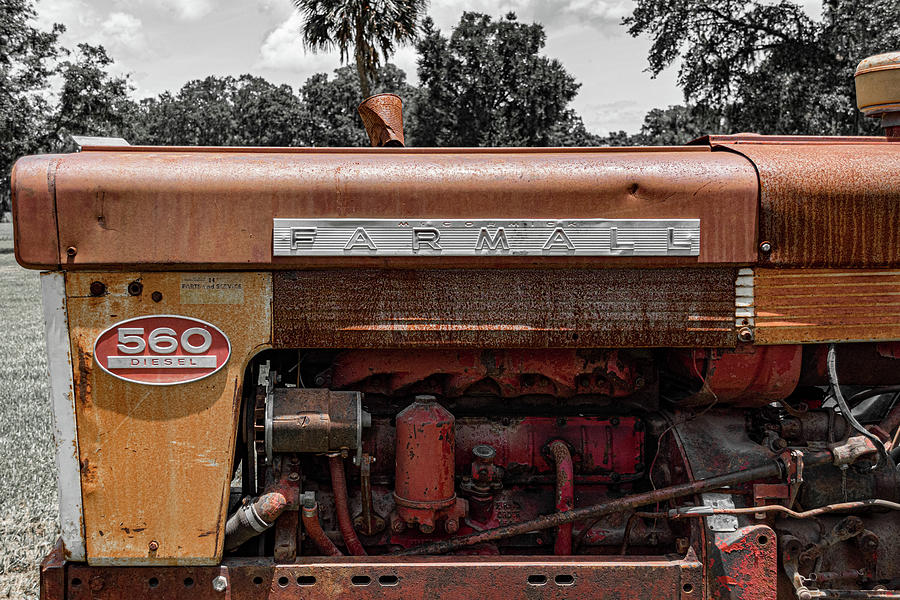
(486, 237)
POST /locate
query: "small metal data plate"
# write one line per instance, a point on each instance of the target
(722, 523)
(486, 237)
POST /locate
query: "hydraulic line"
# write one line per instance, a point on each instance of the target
(848, 414)
(774, 468)
(309, 516)
(339, 487)
(565, 494)
(705, 511)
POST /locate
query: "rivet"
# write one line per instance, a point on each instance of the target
(98, 288)
(765, 247)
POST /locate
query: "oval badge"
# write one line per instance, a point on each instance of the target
(162, 350)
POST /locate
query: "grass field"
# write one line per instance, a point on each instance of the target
(28, 513)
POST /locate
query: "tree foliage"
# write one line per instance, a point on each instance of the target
(488, 85)
(27, 57)
(370, 28)
(768, 66)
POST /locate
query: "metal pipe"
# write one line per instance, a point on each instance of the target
(774, 468)
(339, 487)
(309, 516)
(565, 494)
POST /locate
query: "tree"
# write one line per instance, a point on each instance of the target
(767, 66)
(91, 101)
(370, 28)
(488, 85)
(26, 64)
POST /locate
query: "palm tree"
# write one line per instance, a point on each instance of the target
(370, 27)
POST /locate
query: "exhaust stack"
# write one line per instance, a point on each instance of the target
(878, 91)
(382, 116)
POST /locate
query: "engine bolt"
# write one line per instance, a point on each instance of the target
(156, 296)
(426, 528)
(135, 288)
(765, 247)
(451, 526)
(294, 476)
(220, 584)
(745, 334)
(398, 526)
(71, 251)
(98, 288)
(154, 546)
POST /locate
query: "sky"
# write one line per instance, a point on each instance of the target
(164, 43)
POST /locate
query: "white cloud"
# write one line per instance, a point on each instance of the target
(123, 32)
(282, 50)
(183, 10)
(71, 13)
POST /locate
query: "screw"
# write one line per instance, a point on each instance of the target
(745, 334)
(154, 546)
(98, 288)
(71, 251)
(135, 288)
(293, 476)
(156, 296)
(765, 247)
(220, 584)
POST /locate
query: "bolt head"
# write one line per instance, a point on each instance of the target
(398, 526)
(426, 528)
(765, 247)
(71, 251)
(154, 546)
(294, 476)
(220, 584)
(451, 526)
(98, 288)
(745, 334)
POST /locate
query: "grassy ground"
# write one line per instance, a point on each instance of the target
(28, 511)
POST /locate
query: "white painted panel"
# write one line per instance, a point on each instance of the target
(62, 400)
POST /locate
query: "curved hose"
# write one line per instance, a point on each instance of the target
(848, 414)
(339, 487)
(565, 494)
(309, 516)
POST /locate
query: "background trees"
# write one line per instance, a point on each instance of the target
(488, 85)
(767, 66)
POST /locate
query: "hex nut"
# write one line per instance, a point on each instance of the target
(135, 288)
(220, 584)
(745, 334)
(154, 546)
(156, 296)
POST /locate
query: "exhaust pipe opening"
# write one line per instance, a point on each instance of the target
(382, 116)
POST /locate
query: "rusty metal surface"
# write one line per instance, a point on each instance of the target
(748, 376)
(33, 191)
(156, 460)
(562, 373)
(504, 308)
(827, 204)
(382, 116)
(451, 578)
(743, 564)
(164, 208)
(802, 306)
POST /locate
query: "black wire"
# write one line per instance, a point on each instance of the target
(845, 410)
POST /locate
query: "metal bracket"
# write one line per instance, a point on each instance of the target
(720, 523)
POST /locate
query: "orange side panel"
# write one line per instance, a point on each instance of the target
(156, 460)
(33, 188)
